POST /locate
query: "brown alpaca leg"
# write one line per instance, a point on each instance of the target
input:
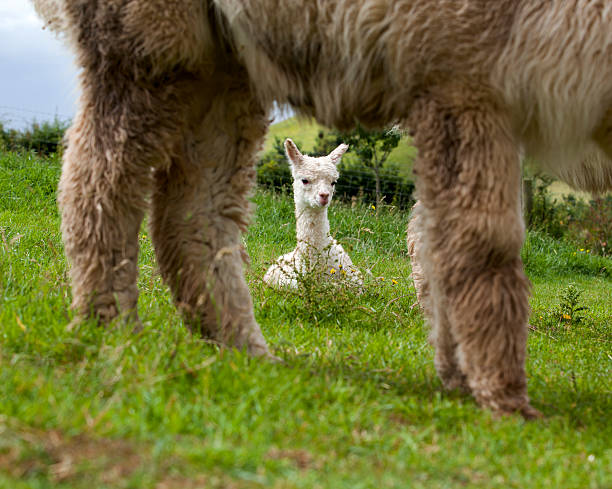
(467, 180)
(200, 209)
(124, 128)
(441, 336)
(102, 199)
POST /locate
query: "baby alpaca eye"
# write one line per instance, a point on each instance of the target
(333, 184)
(304, 181)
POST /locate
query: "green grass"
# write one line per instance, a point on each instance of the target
(356, 402)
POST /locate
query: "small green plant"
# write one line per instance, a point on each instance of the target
(570, 312)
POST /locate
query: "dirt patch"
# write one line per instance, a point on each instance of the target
(25, 452)
(89, 461)
(300, 458)
(206, 482)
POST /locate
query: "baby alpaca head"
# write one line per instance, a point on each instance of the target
(314, 179)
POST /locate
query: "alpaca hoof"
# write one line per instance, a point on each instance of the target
(74, 324)
(106, 313)
(455, 381)
(250, 340)
(80, 318)
(130, 318)
(452, 378)
(262, 351)
(124, 319)
(527, 412)
(273, 358)
(505, 404)
(137, 325)
(258, 348)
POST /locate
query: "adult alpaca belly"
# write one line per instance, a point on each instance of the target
(166, 35)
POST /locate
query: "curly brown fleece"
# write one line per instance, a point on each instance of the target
(174, 107)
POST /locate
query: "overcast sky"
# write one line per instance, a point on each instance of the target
(38, 79)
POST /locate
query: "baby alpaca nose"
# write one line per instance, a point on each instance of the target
(324, 197)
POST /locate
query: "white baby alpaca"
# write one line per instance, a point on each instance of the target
(316, 251)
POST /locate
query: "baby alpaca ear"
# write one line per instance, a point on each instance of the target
(337, 153)
(293, 153)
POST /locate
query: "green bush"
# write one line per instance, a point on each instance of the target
(44, 138)
(586, 225)
(590, 224)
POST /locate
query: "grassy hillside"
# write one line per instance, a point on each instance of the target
(304, 133)
(356, 403)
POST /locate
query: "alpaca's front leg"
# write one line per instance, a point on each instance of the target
(200, 209)
(105, 179)
(467, 180)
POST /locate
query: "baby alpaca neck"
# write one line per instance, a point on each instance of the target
(312, 227)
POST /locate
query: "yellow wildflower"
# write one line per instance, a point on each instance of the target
(374, 207)
(567, 316)
(332, 271)
(394, 281)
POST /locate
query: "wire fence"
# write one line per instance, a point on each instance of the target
(356, 181)
(20, 118)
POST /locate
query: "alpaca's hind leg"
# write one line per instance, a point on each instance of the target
(200, 209)
(467, 180)
(441, 336)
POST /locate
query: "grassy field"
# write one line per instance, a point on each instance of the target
(355, 404)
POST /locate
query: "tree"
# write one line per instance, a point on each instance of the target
(326, 142)
(373, 148)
